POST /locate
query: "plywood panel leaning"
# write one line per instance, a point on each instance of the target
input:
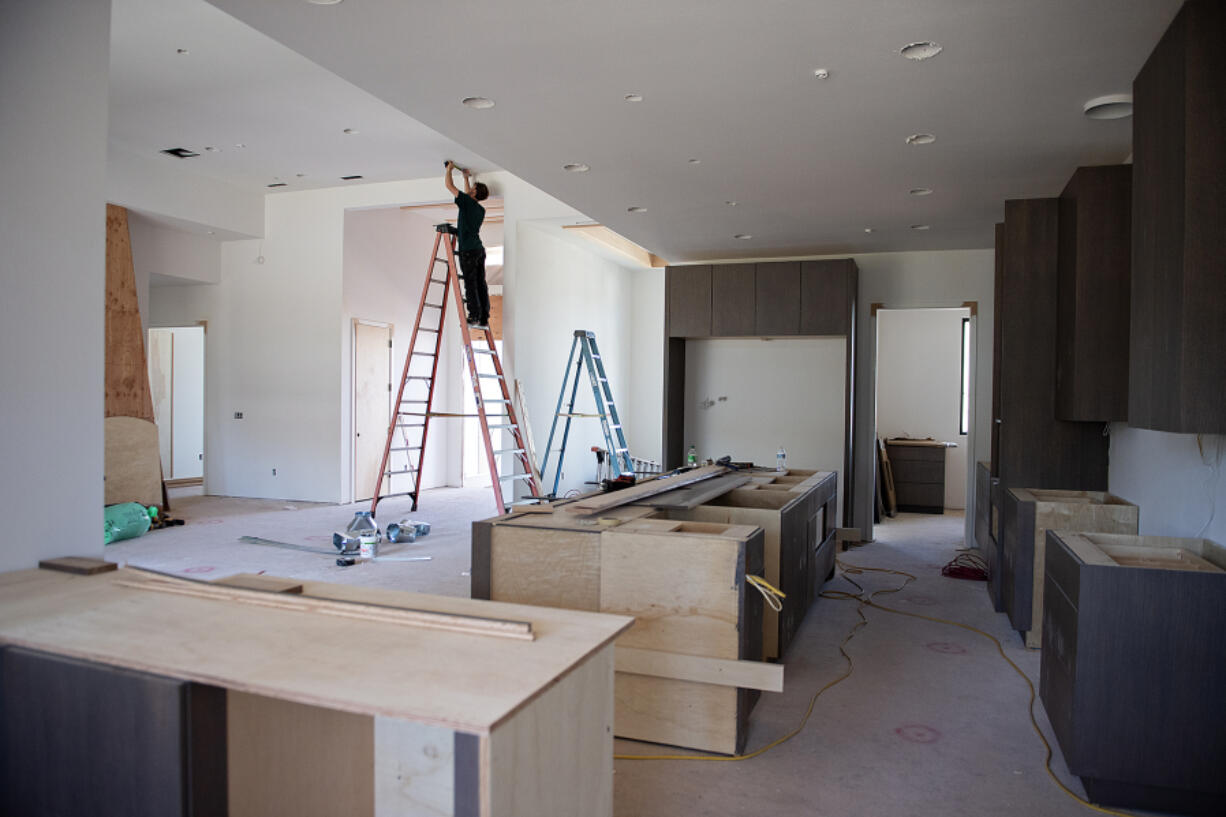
(133, 465)
(127, 379)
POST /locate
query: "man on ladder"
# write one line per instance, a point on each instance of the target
(470, 249)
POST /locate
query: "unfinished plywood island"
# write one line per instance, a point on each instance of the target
(690, 670)
(162, 696)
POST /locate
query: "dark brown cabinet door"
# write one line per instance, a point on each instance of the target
(825, 296)
(1095, 265)
(777, 298)
(1177, 352)
(732, 300)
(688, 294)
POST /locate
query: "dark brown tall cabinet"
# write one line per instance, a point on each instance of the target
(1034, 448)
(1178, 344)
(776, 299)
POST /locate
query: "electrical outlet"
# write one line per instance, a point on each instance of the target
(238, 415)
(274, 472)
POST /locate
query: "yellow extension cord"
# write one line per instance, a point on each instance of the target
(868, 601)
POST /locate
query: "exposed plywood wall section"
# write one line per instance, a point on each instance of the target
(496, 316)
(127, 380)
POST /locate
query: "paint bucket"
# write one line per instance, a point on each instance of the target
(369, 547)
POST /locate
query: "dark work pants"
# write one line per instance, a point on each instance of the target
(476, 293)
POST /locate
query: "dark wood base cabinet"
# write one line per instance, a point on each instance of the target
(1133, 668)
(919, 474)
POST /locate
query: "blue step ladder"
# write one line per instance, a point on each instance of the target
(615, 438)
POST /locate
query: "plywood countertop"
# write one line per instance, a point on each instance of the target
(469, 682)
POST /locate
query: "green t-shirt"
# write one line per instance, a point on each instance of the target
(469, 223)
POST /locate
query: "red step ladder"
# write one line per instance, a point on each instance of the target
(405, 449)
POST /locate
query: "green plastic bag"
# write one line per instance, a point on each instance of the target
(126, 520)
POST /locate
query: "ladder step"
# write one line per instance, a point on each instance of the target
(398, 493)
(439, 280)
(436, 306)
(504, 425)
(423, 354)
(424, 329)
(411, 425)
(512, 477)
(418, 377)
(396, 473)
(485, 351)
(509, 451)
(494, 376)
(497, 401)
(418, 448)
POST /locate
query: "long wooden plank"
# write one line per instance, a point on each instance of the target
(721, 671)
(127, 379)
(472, 625)
(602, 502)
(698, 494)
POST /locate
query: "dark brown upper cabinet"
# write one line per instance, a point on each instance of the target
(688, 295)
(732, 300)
(1094, 293)
(777, 298)
(827, 291)
(1177, 353)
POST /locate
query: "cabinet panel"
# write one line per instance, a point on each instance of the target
(824, 297)
(688, 294)
(1178, 341)
(1094, 293)
(732, 299)
(777, 298)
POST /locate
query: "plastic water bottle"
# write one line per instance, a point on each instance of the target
(781, 460)
(692, 457)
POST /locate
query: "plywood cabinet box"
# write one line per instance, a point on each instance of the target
(1028, 514)
(669, 560)
(685, 582)
(245, 702)
(1132, 668)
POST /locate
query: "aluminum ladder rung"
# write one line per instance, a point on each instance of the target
(494, 376)
(397, 473)
(435, 306)
(504, 425)
(513, 477)
(405, 448)
(508, 451)
(499, 400)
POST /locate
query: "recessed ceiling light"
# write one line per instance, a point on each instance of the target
(181, 153)
(920, 191)
(636, 209)
(694, 161)
(821, 73)
(576, 167)
(277, 184)
(730, 203)
(300, 175)
(1112, 106)
(925, 50)
(921, 227)
(181, 51)
(212, 232)
(350, 178)
(212, 149)
(349, 131)
(868, 229)
(743, 236)
(478, 102)
(239, 145)
(633, 97)
(921, 139)
(324, 2)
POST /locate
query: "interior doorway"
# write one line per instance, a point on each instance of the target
(176, 383)
(372, 396)
(924, 408)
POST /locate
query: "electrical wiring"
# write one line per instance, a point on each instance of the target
(866, 599)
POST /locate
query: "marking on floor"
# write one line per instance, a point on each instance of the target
(199, 569)
(917, 733)
(946, 647)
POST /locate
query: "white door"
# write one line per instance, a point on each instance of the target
(372, 379)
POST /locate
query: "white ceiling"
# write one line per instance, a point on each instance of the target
(811, 163)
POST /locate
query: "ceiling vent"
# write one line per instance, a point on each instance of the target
(181, 153)
(277, 184)
(349, 178)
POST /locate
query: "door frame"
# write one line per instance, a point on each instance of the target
(353, 391)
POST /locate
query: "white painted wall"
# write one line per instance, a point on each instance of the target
(1176, 479)
(386, 253)
(560, 286)
(54, 57)
(919, 384)
(647, 372)
(745, 397)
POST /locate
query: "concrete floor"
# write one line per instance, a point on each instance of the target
(931, 722)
